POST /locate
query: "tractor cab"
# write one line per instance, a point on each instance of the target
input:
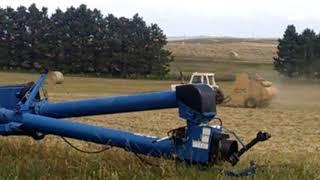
(203, 78)
(207, 79)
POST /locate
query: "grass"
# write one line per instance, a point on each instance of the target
(292, 153)
(35, 160)
(30, 160)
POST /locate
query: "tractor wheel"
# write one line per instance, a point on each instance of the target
(219, 96)
(250, 103)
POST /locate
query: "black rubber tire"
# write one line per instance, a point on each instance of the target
(250, 103)
(219, 96)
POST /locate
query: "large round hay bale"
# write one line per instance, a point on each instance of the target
(56, 77)
(234, 55)
(272, 91)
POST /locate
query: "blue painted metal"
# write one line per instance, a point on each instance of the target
(19, 119)
(142, 144)
(193, 117)
(195, 148)
(33, 117)
(109, 105)
(34, 91)
(134, 142)
(8, 96)
(196, 123)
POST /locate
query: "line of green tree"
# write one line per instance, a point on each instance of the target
(298, 55)
(81, 40)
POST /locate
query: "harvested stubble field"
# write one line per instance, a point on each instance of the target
(224, 56)
(226, 49)
(293, 119)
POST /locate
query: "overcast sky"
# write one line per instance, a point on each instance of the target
(237, 18)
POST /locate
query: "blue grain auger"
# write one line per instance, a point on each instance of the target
(24, 112)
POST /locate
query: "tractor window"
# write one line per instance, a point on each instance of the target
(205, 81)
(196, 80)
(210, 80)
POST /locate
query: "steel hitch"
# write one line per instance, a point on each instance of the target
(234, 156)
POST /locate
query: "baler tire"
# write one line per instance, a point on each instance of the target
(265, 103)
(250, 103)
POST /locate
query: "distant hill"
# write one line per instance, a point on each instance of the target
(181, 38)
(225, 49)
